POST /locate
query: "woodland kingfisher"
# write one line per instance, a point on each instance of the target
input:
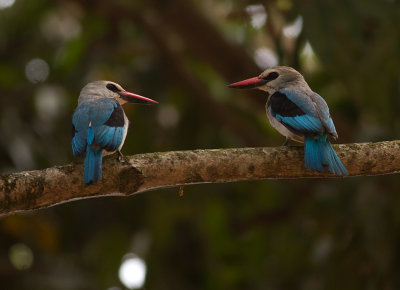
(99, 124)
(299, 114)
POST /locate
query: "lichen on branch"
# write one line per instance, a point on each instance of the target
(30, 190)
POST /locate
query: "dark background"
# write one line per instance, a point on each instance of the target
(273, 234)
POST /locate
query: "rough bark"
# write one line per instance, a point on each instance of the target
(30, 190)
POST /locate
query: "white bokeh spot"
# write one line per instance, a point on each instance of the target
(265, 57)
(294, 29)
(6, 3)
(62, 25)
(258, 15)
(37, 70)
(50, 102)
(132, 272)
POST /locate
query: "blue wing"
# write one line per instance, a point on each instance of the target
(105, 117)
(296, 111)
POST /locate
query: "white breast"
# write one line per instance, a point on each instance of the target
(126, 125)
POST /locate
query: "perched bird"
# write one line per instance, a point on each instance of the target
(99, 124)
(299, 114)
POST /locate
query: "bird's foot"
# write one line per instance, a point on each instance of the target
(121, 158)
(286, 143)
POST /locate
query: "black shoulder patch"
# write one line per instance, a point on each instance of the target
(73, 131)
(117, 117)
(281, 105)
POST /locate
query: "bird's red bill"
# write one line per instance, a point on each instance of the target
(248, 84)
(134, 98)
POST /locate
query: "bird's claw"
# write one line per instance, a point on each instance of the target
(286, 143)
(121, 158)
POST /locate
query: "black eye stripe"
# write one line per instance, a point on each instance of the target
(112, 87)
(271, 76)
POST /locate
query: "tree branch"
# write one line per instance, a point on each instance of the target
(30, 190)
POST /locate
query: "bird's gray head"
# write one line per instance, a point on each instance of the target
(107, 89)
(272, 79)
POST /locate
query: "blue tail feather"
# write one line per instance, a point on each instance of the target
(92, 166)
(313, 155)
(318, 153)
(93, 161)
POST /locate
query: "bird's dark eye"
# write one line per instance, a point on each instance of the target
(271, 76)
(112, 87)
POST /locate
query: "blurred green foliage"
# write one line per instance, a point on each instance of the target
(274, 234)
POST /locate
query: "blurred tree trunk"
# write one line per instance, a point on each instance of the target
(143, 172)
